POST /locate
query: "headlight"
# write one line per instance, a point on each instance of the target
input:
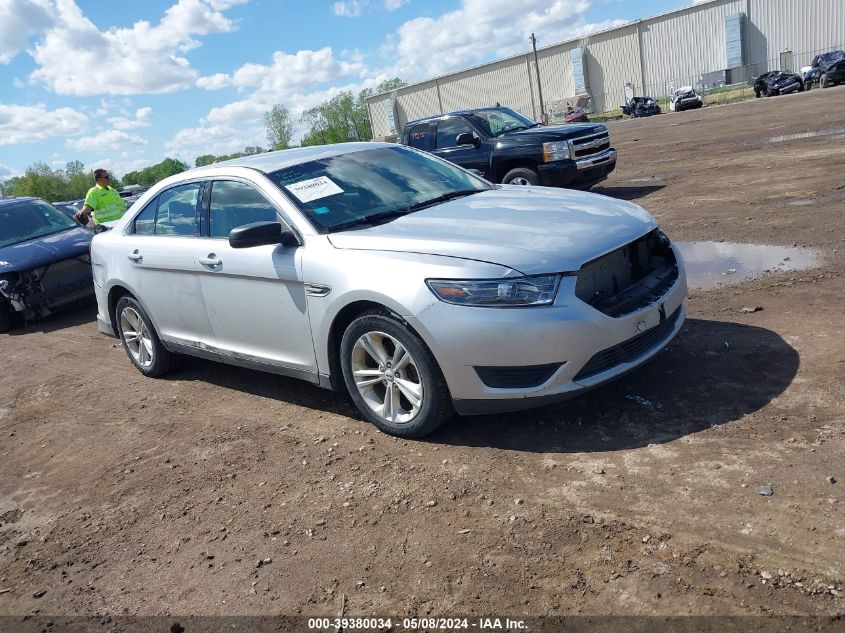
(559, 150)
(537, 290)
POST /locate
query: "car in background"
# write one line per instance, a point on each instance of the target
(392, 275)
(777, 82)
(44, 260)
(505, 147)
(70, 207)
(576, 115)
(685, 98)
(826, 70)
(640, 106)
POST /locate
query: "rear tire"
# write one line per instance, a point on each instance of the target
(521, 176)
(140, 340)
(392, 376)
(823, 81)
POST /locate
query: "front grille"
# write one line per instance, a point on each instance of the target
(629, 278)
(516, 377)
(630, 350)
(586, 146)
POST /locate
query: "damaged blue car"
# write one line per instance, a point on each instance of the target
(44, 260)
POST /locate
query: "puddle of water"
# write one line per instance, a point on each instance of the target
(837, 133)
(711, 264)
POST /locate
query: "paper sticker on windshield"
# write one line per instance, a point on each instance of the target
(314, 188)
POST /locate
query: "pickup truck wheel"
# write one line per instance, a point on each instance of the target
(392, 376)
(823, 82)
(140, 339)
(521, 176)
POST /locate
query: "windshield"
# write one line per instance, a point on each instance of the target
(345, 189)
(497, 122)
(29, 220)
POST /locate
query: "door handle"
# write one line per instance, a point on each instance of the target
(210, 260)
(135, 255)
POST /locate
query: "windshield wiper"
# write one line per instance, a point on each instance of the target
(383, 216)
(370, 219)
(449, 195)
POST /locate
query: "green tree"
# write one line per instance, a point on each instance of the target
(279, 127)
(202, 161)
(344, 117)
(79, 181)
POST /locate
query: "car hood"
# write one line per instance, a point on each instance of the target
(45, 250)
(547, 133)
(532, 230)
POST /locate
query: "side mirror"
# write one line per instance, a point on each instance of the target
(261, 234)
(466, 138)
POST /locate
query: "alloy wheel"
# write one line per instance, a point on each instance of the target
(137, 337)
(520, 181)
(387, 377)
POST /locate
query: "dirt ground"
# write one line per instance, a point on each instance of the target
(125, 495)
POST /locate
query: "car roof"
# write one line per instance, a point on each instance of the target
(273, 161)
(5, 202)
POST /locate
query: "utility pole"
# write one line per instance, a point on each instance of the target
(539, 86)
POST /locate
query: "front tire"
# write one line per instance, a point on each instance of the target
(140, 340)
(521, 176)
(823, 81)
(392, 377)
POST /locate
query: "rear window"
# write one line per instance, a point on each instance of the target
(30, 220)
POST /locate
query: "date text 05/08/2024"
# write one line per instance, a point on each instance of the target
(446, 624)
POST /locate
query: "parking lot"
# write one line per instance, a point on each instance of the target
(221, 490)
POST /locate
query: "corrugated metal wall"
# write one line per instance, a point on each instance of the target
(805, 27)
(685, 44)
(378, 115)
(420, 102)
(505, 81)
(612, 61)
(655, 55)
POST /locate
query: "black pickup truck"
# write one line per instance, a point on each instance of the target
(505, 147)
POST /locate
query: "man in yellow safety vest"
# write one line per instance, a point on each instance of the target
(102, 202)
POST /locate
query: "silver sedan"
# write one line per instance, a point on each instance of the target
(412, 284)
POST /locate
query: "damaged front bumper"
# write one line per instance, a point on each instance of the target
(37, 292)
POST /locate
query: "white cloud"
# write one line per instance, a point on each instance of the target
(481, 29)
(7, 172)
(285, 80)
(392, 5)
(189, 143)
(349, 8)
(215, 81)
(141, 119)
(108, 139)
(140, 59)
(20, 19)
(31, 124)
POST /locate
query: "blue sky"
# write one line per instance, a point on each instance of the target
(122, 85)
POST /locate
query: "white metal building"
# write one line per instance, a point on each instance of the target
(720, 42)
